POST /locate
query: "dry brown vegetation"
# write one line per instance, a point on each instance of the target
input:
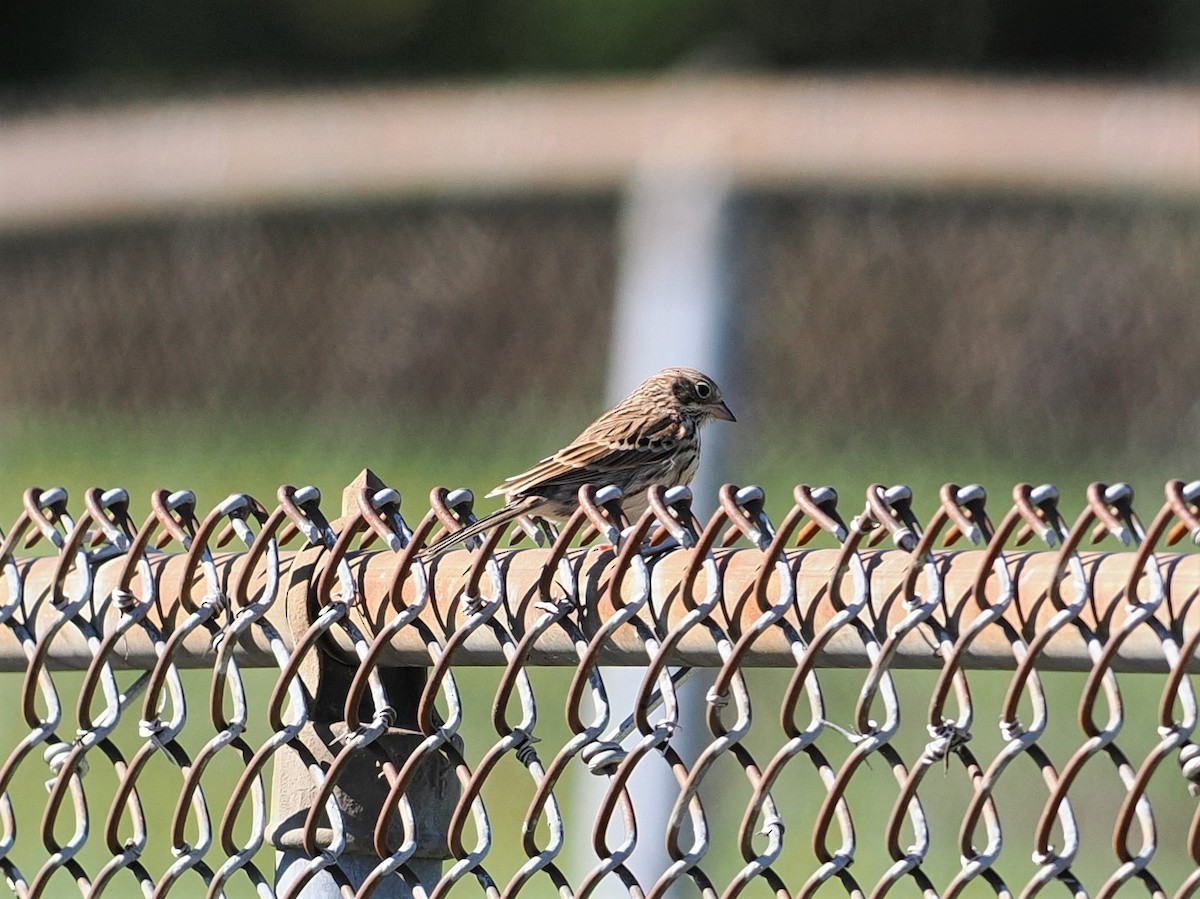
(1032, 319)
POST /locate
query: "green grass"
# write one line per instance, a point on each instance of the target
(215, 455)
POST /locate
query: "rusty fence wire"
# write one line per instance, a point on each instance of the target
(359, 754)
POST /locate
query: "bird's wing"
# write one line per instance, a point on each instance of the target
(606, 449)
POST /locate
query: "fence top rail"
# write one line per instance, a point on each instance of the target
(1063, 138)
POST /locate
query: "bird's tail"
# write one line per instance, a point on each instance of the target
(495, 519)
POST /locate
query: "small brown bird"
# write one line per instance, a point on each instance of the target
(650, 437)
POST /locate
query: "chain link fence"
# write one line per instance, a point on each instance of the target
(393, 773)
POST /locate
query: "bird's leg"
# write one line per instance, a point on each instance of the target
(547, 531)
(537, 529)
(660, 541)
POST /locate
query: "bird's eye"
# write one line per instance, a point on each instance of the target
(703, 389)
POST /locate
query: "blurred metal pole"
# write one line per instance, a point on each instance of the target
(673, 307)
(673, 290)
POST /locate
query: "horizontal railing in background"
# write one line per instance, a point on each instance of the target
(924, 133)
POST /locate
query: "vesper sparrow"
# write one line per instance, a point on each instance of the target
(650, 437)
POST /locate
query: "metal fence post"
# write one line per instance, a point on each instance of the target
(362, 787)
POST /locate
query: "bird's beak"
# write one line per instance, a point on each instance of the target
(721, 411)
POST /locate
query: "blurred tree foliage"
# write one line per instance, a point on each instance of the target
(148, 45)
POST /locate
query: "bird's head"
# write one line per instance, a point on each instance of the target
(697, 394)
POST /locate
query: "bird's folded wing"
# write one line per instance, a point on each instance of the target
(594, 462)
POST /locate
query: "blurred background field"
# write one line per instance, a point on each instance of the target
(1026, 310)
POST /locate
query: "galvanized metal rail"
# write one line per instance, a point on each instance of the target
(372, 783)
(1054, 137)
